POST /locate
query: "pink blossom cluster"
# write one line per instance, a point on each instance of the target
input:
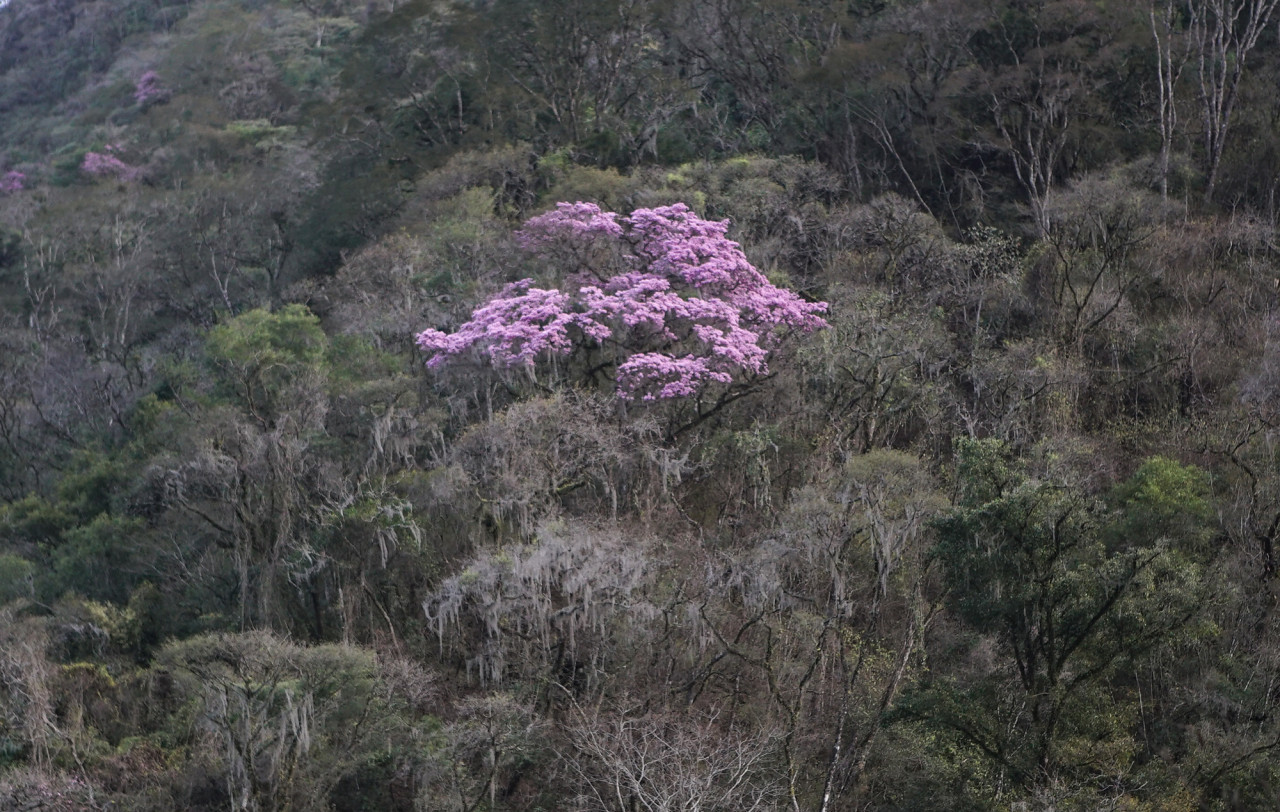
(149, 89)
(683, 310)
(106, 164)
(583, 240)
(12, 181)
(515, 327)
(569, 223)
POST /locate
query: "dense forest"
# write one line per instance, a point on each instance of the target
(628, 405)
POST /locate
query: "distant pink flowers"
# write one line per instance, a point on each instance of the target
(149, 90)
(106, 164)
(665, 293)
(573, 225)
(12, 181)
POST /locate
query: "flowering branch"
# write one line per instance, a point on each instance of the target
(12, 181)
(665, 288)
(106, 164)
(149, 90)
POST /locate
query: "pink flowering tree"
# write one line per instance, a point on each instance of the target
(149, 90)
(107, 164)
(661, 298)
(12, 181)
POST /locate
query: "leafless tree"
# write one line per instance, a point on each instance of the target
(27, 684)
(663, 761)
(1095, 231)
(1034, 128)
(1224, 32)
(544, 607)
(478, 752)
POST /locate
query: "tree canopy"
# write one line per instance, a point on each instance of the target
(639, 404)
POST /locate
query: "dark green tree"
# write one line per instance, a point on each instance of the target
(1067, 591)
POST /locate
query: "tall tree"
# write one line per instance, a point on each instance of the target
(1170, 60)
(1223, 32)
(1069, 591)
(1037, 69)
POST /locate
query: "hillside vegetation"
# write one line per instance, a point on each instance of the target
(957, 488)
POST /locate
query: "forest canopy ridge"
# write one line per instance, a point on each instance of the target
(758, 404)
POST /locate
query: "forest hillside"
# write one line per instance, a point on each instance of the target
(639, 405)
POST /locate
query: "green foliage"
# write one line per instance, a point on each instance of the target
(87, 490)
(101, 559)
(35, 520)
(257, 130)
(16, 578)
(1028, 567)
(295, 720)
(354, 361)
(212, 417)
(267, 357)
(1165, 500)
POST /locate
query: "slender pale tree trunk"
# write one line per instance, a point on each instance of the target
(1223, 33)
(1169, 65)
